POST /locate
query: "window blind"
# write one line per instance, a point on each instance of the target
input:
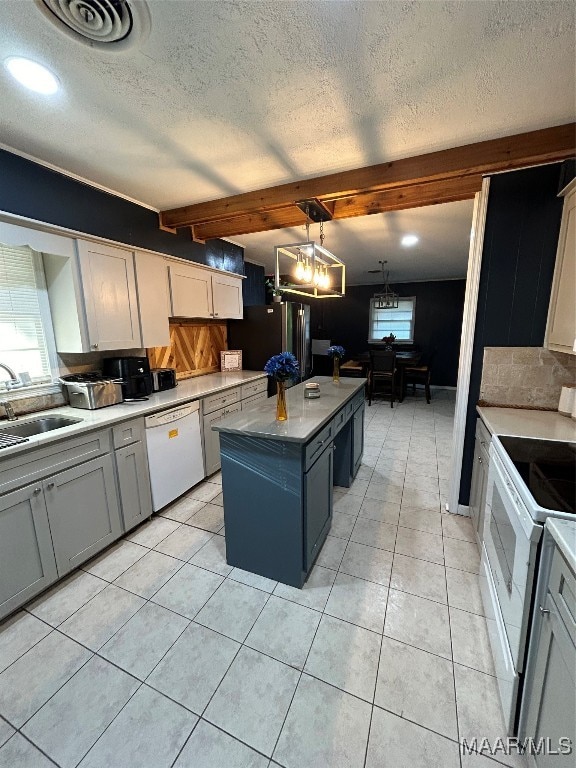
(23, 344)
(399, 321)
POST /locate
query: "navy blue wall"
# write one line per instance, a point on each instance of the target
(520, 241)
(437, 325)
(253, 288)
(31, 190)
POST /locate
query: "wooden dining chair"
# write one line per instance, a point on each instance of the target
(420, 374)
(382, 371)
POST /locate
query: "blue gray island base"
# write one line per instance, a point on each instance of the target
(277, 478)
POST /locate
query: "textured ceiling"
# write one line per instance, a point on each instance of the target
(227, 97)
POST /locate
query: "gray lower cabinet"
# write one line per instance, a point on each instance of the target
(549, 702)
(27, 564)
(83, 511)
(479, 481)
(223, 404)
(317, 504)
(212, 439)
(129, 439)
(133, 484)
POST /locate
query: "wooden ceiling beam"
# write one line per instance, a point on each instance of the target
(508, 153)
(415, 196)
(253, 222)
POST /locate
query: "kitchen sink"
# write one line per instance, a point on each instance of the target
(37, 426)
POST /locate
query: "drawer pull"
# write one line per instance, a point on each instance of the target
(37, 491)
(50, 486)
(543, 611)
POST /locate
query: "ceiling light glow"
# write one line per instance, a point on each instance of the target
(32, 75)
(409, 240)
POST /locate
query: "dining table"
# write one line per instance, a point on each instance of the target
(360, 366)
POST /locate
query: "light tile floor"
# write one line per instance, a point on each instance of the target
(158, 654)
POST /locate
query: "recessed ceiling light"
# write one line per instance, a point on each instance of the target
(32, 75)
(409, 240)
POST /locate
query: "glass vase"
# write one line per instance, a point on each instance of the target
(281, 410)
(336, 369)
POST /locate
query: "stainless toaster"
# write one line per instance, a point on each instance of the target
(90, 390)
(163, 378)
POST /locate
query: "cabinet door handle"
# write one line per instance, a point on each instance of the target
(37, 491)
(50, 486)
(480, 459)
(94, 346)
(543, 611)
(215, 314)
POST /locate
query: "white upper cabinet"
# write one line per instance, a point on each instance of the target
(561, 329)
(197, 292)
(227, 296)
(93, 299)
(110, 296)
(191, 291)
(153, 299)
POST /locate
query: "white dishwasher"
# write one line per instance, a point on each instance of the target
(174, 452)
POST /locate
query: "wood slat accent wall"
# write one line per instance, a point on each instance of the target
(194, 350)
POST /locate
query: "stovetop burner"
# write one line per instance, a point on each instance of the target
(548, 467)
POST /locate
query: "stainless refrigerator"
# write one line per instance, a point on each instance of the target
(271, 329)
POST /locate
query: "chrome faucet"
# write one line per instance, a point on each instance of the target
(13, 377)
(10, 415)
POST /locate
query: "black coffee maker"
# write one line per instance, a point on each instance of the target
(134, 374)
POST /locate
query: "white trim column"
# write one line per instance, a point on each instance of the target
(467, 343)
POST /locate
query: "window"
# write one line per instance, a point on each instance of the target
(26, 337)
(398, 321)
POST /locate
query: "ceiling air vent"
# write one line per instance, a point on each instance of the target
(110, 24)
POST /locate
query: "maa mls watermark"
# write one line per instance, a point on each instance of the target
(514, 746)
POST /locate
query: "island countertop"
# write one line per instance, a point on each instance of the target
(305, 416)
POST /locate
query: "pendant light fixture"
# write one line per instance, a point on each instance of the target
(387, 299)
(308, 268)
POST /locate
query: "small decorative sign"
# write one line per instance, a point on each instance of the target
(231, 360)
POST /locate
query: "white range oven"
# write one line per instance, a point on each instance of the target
(528, 481)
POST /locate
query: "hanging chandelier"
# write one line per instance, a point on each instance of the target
(386, 299)
(308, 268)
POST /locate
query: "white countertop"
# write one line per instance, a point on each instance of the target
(543, 425)
(564, 534)
(305, 416)
(186, 391)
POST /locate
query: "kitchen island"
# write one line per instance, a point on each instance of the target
(277, 477)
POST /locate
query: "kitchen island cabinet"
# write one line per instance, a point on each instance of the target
(277, 477)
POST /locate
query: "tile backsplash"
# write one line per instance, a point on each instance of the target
(525, 377)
